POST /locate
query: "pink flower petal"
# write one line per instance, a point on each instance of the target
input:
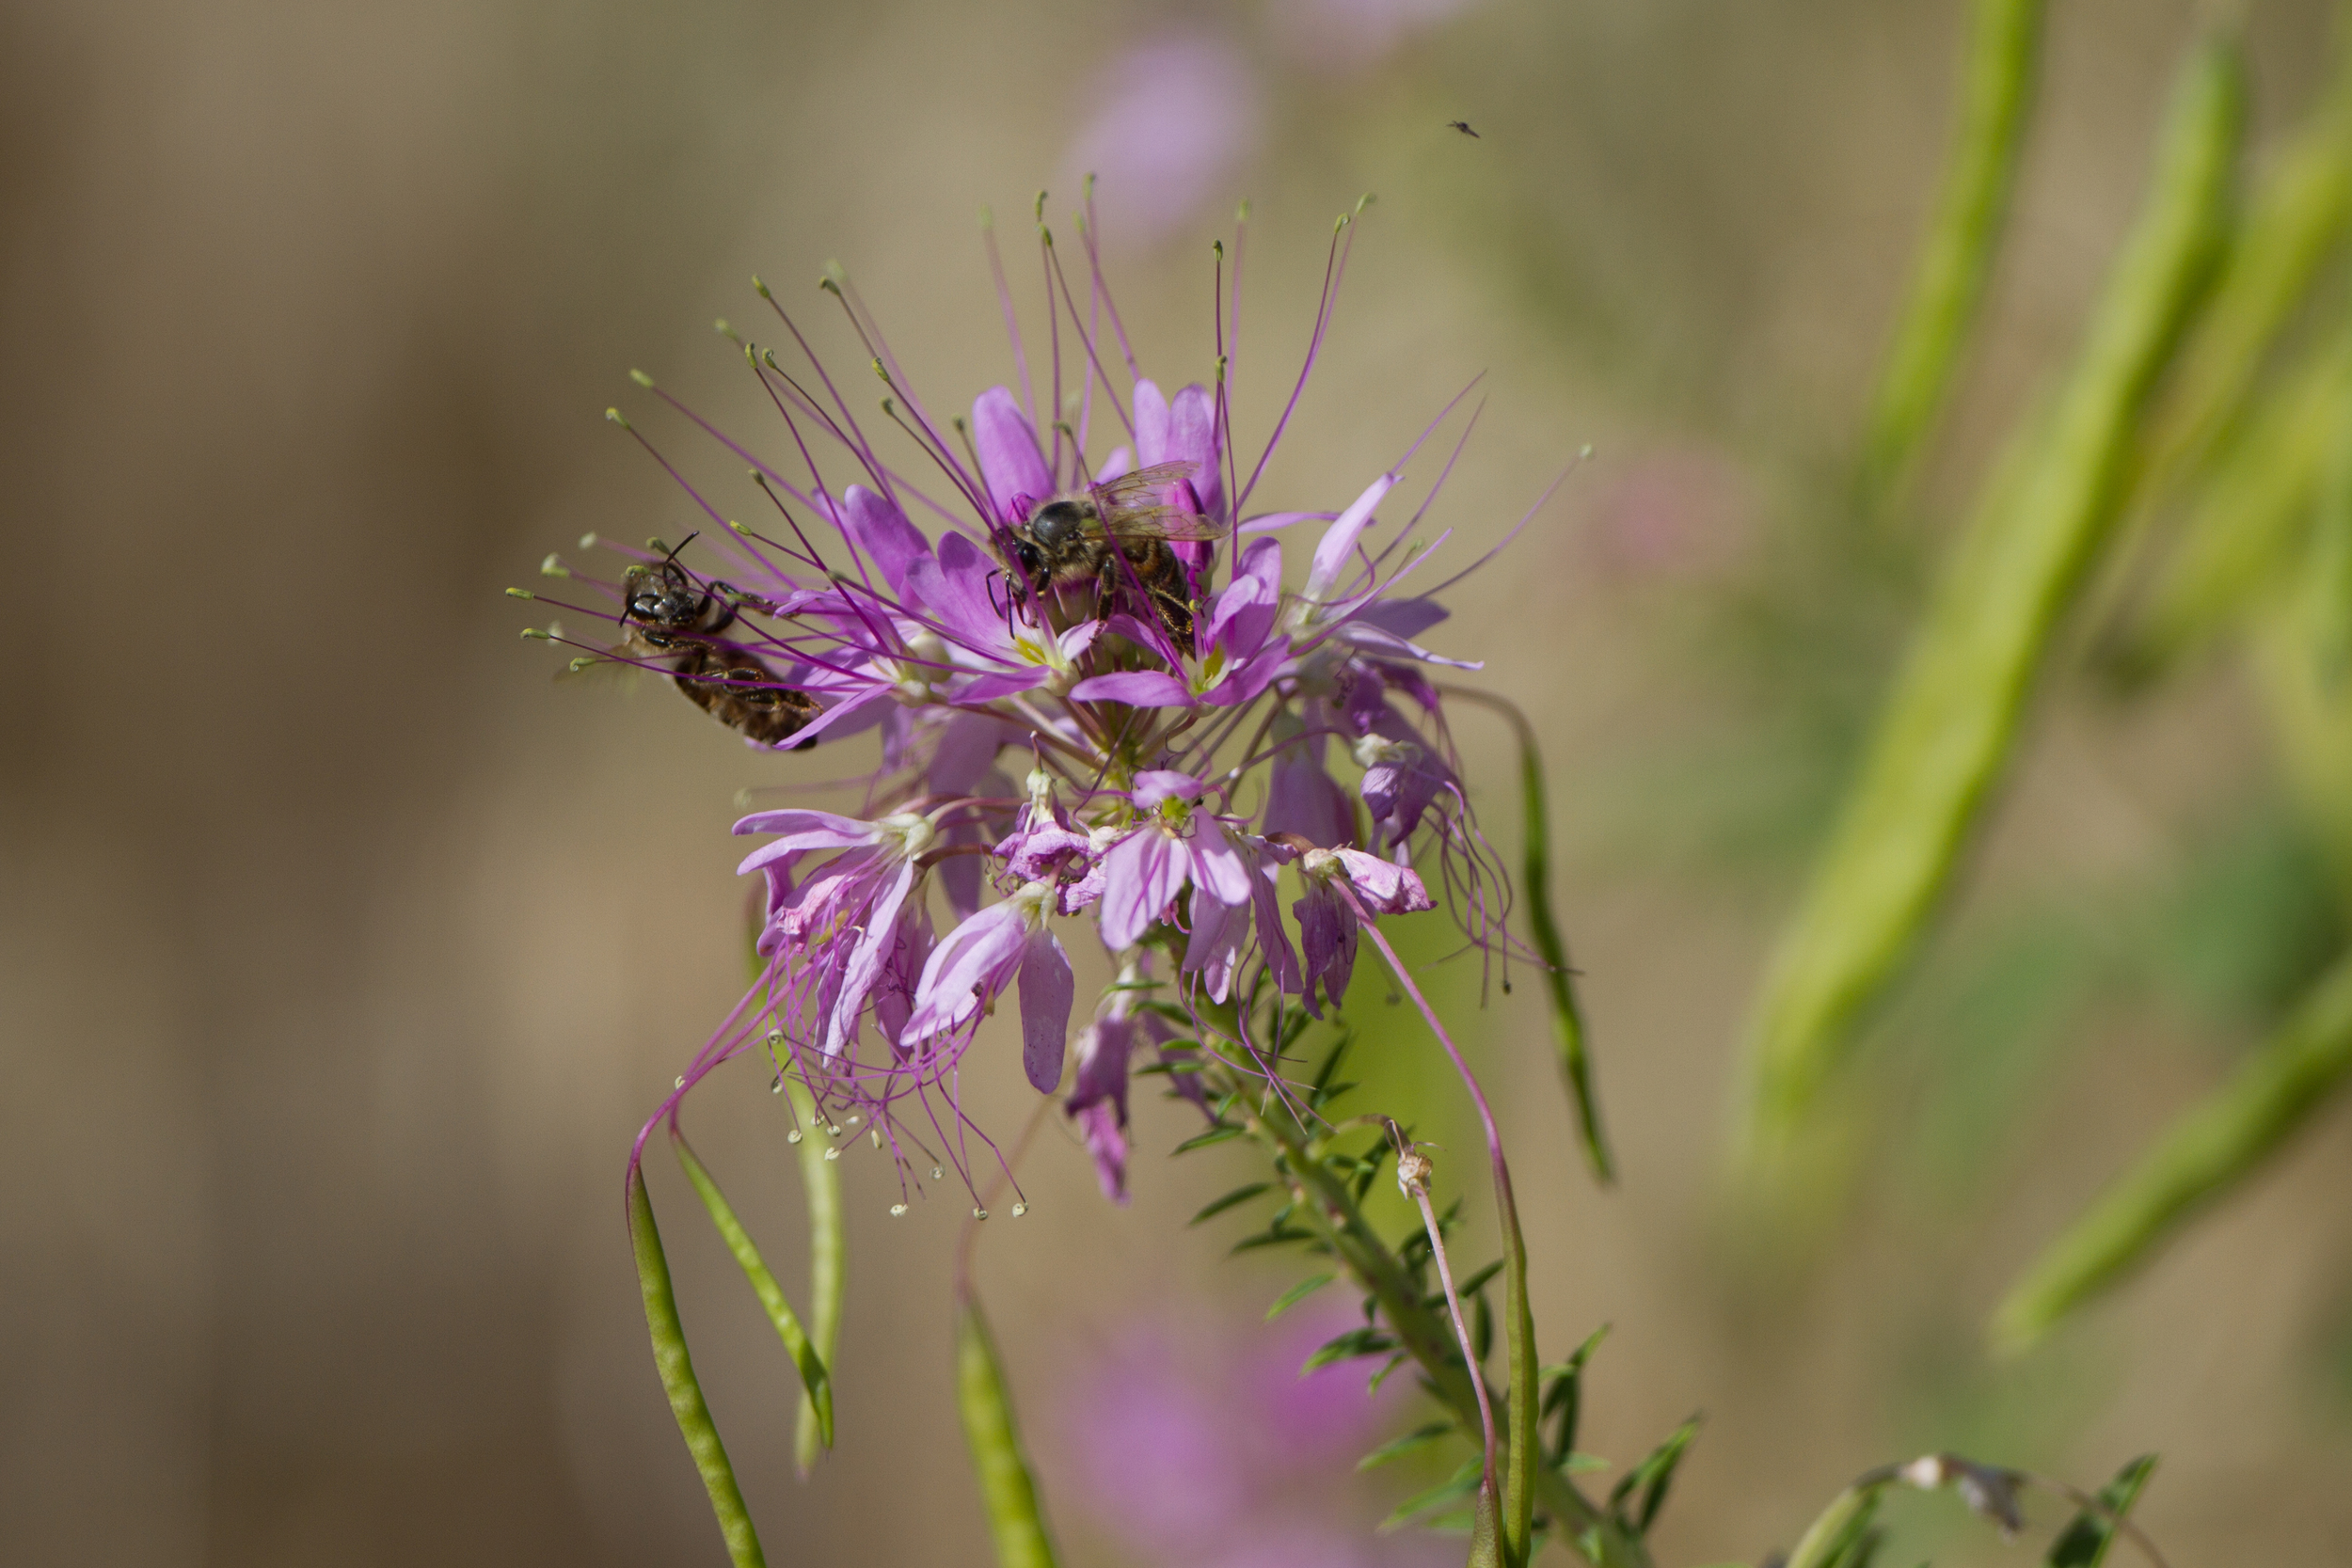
(1136, 688)
(1009, 458)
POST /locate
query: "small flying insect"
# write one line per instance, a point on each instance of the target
(1066, 540)
(1463, 126)
(671, 618)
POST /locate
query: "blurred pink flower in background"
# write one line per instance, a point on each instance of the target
(1196, 1442)
(1349, 35)
(1180, 117)
(1677, 512)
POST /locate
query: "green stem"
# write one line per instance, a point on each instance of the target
(1327, 1204)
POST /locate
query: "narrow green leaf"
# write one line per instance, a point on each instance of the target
(1371, 1385)
(1996, 98)
(1954, 713)
(1412, 1441)
(1840, 1536)
(1239, 1195)
(820, 1181)
(1007, 1490)
(1564, 1395)
(1476, 1282)
(2206, 1154)
(1567, 1016)
(1202, 1140)
(815, 1385)
(676, 1366)
(2084, 1542)
(1650, 1480)
(1347, 1347)
(1461, 1484)
(1275, 1235)
(1297, 1294)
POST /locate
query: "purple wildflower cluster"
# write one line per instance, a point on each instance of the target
(1058, 753)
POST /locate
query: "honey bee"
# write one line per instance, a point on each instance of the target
(671, 618)
(1066, 540)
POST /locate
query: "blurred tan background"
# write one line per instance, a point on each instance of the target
(342, 952)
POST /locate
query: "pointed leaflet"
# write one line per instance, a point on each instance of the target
(1954, 714)
(814, 1383)
(670, 1359)
(1007, 1491)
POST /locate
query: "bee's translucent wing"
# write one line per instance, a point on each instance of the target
(1160, 522)
(1111, 491)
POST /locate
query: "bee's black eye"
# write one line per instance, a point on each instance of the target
(1027, 554)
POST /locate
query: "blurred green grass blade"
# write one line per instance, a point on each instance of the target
(815, 1385)
(1840, 1536)
(1950, 720)
(1963, 235)
(820, 1180)
(2246, 515)
(2205, 1153)
(676, 1366)
(1007, 1491)
(2084, 1542)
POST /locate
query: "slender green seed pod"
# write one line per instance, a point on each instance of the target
(1953, 715)
(817, 1386)
(828, 1263)
(2207, 1152)
(2249, 514)
(2297, 218)
(677, 1368)
(1006, 1488)
(1963, 236)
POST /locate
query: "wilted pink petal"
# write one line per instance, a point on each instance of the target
(1047, 990)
